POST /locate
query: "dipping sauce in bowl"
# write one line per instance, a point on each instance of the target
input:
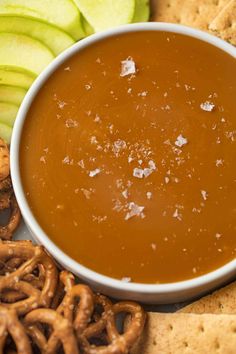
(127, 157)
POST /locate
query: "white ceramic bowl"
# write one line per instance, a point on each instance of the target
(158, 293)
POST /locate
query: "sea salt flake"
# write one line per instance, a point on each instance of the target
(81, 163)
(119, 145)
(177, 215)
(219, 162)
(138, 172)
(126, 279)
(167, 180)
(181, 141)
(152, 165)
(42, 159)
(149, 195)
(67, 161)
(130, 159)
(125, 193)
(97, 119)
(99, 219)
(88, 87)
(94, 172)
(154, 246)
(93, 140)
(207, 106)
(204, 194)
(147, 172)
(218, 236)
(86, 193)
(61, 104)
(70, 123)
(135, 210)
(127, 67)
(143, 93)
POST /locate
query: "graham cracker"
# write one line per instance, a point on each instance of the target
(224, 24)
(188, 333)
(193, 13)
(220, 301)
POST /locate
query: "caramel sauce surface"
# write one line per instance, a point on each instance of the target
(128, 157)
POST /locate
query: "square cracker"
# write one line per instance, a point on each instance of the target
(220, 301)
(193, 13)
(179, 333)
(224, 24)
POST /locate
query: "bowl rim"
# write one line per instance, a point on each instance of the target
(38, 233)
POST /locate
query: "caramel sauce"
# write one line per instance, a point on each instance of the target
(128, 157)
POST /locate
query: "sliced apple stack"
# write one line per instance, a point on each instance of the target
(34, 32)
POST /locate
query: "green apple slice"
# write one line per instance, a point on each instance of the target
(103, 14)
(62, 13)
(5, 132)
(50, 35)
(23, 51)
(12, 94)
(142, 11)
(88, 30)
(8, 112)
(13, 76)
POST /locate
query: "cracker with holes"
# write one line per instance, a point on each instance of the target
(224, 25)
(220, 301)
(188, 333)
(193, 13)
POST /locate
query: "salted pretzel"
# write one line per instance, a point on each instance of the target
(8, 201)
(5, 184)
(116, 342)
(72, 314)
(61, 332)
(28, 276)
(10, 325)
(89, 324)
(4, 160)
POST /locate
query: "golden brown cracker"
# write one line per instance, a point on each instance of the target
(224, 24)
(220, 301)
(193, 13)
(188, 333)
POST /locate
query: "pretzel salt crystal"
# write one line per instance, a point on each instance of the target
(10, 324)
(34, 258)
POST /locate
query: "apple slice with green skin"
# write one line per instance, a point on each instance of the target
(5, 132)
(88, 30)
(12, 94)
(62, 13)
(142, 11)
(50, 35)
(103, 14)
(23, 51)
(8, 112)
(13, 76)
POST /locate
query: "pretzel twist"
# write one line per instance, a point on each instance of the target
(19, 281)
(4, 160)
(8, 200)
(117, 343)
(62, 332)
(10, 324)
